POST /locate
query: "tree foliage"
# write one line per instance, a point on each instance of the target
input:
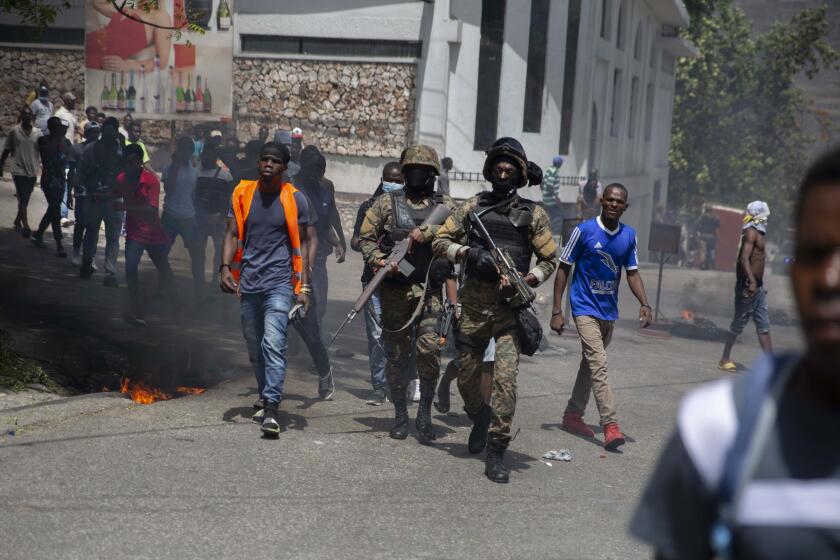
(741, 124)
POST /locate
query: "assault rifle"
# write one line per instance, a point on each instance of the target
(447, 317)
(522, 294)
(398, 255)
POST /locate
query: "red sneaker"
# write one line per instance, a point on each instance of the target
(613, 437)
(573, 422)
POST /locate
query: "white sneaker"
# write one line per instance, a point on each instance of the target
(413, 392)
(66, 222)
(76, 257)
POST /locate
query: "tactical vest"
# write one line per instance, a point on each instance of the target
(509, 230)
(406, 219)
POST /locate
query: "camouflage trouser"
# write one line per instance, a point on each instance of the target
(398, 303)
(479, 323)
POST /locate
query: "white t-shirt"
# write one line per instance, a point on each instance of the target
(65, 115)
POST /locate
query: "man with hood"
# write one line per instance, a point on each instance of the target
(522, 228)
(393, 217)
(750, 295)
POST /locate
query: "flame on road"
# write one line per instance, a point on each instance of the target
(688, 315)
(141, 393)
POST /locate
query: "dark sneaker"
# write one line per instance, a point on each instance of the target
(18, 228)
(110, 281)
(133, 319)
(38, 241)
(258, 404)
(86, 272)
(326, 387)
(61, 253)
(270, 424)
(26, 232)
(377, 397)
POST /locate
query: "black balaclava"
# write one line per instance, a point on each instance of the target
(506, 188)
(420, 179)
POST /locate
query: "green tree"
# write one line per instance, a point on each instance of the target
(740, 128)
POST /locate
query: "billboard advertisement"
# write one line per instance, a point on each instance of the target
(135, 61)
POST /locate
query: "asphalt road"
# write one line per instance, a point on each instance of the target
(102, 477)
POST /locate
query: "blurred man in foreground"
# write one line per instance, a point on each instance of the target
(753, 469)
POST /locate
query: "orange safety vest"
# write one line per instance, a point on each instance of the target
(242, 197)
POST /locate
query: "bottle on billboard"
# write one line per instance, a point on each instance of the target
(144, 93)
(112, 95)
(121, 93)
(158, 91)
(208, 100)
(199, 95)
(189, 100)
(180, 103)
(131, 94)
(223, 16)
(105, 95)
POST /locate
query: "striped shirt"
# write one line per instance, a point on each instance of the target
(550, 186)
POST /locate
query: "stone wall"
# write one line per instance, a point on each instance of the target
(352, 109)
(344, 108)
(23, 69)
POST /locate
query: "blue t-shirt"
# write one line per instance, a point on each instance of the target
(598, 255)
(266, 258)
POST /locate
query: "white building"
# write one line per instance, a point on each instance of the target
(592, 80)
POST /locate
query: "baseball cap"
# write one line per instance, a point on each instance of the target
(216, 134)
(297, 133)
(43, 90)
(68, 95)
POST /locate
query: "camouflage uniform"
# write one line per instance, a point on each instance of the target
(484, 315)
(399, 300)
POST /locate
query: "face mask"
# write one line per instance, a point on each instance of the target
(420, 180)
(507, 187)
(390, 187)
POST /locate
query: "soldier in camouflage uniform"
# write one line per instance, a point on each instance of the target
(392, 217)
(522, 227)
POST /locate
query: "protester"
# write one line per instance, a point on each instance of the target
(56, 155)
(265, 219)
(90, 116)
(249, 166)
(79, 192)
(214, 187)
(752, 468)
(101, 164)
(179, 182)
(310, 180)
(598, 249)
(750, 295)
(262, 135)
(42, 109)
(589, 197)
(551, 194)
(443, 180)
(392, 180)
(65, 112)
(199, 132)
(100, 118)
(22, 145)
(127, 121)
(285, 137)
(707, 226)
(144, 231)
(134, 132)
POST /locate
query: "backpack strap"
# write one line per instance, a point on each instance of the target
(757, 412)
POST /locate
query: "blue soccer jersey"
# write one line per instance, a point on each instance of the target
(598, 255)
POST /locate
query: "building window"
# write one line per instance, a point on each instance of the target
(606, 18)
(669, 63)
(489, 72)
(535, 74)
(320, 46)
(649, 111)
(637, 44)
(615, 116)
(634, 107)
(653, 53)
(53, 36)
(567, 105)
(619, 34)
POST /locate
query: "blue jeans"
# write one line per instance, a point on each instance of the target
(376, 349)
(265, 318)
(754, 308)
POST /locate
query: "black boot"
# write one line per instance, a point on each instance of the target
(494, 466)
(478, 435)
(425, 431)
(400, 428)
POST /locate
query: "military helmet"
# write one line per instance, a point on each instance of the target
(421, 155)
(510, 148)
